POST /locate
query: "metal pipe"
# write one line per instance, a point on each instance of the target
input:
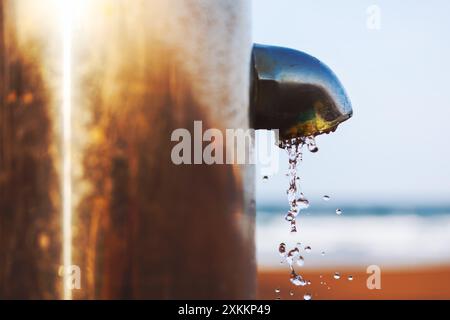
(295, 93)
(141, 226)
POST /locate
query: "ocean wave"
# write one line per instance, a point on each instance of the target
(389, 240)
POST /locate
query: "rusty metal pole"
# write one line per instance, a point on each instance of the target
(142, 227)
(29, 218)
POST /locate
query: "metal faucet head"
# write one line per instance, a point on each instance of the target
(295, 93)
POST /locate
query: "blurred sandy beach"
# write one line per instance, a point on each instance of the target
(415, 283)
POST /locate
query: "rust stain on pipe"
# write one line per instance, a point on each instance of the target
(142, 226)
(29, 201)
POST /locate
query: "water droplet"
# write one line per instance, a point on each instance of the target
(292, 172)
(293, 156)
(293, 252)
(265, 178)
(282, 144)
(326, 198)
(297, 280)
(350, 278)
(289, 261)
(321, 276)
(293, 226)
(290, 256)
(278, 298)
(337, 275)
(308, 249)
(290, 216)
(291, 293)
(307, 296)
(277, 290)
(300, 261)
(338, 212)
(303, 203)
(311, 143)
(282, 249)
(322, 253)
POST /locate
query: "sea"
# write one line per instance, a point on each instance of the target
(394, 236)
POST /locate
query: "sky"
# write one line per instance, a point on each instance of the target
(396, 147)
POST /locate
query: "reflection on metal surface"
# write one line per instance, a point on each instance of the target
(141, 227)
(66, 113)
(296, 93)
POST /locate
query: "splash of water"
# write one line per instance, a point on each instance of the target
(297, 279)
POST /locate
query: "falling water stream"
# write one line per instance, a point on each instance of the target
(297, 202)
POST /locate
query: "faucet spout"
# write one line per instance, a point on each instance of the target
(295, 93)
